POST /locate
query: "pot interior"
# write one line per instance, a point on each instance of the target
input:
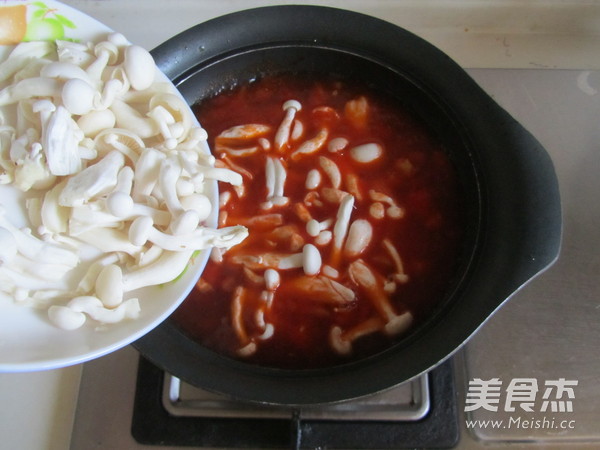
(221, 74)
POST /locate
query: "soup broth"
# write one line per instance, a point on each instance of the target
(355, 224)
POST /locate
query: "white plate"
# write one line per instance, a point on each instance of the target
(28, 341)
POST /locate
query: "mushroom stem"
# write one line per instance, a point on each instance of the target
(341, 341)
(30, 88)
(312, 145)
(340, 229)
(36, 249)
(166, 268)
(141, 230)
(365, 277)
(282, 135)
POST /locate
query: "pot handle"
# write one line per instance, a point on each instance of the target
(524, 217)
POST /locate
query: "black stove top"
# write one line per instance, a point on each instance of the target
(153, 424)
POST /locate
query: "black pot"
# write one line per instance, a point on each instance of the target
(512, 198)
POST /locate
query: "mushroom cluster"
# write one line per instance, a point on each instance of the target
(323, 259)
(108, 156)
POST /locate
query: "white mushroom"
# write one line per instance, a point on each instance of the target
(244, 132)
(338, 343)
(60, 140)
(333, 195)
(147, 168)
(275, 175)
(311, 259)
(272, 279)
(76, 53)
(400, 276)
(314, 227)
(87, 281)
(288, 262)
(311, 145)
(199, 203)
(31, 170)
(341, 341)
(139, 67)
(178, 110)
(142, 230)
(283, 132)
(109, 285)
(366, 153)
(313, 179)
(297, 130)
(399, 324)
(79, 110)
(130, 118)
(165, 122)
(359, 237)
(394, 211)
(21, 55)
(54, 217)
(164, 269)
(377, 210)
(94, 122)
(365, 277)
(94, 180)
(330, 272)
(106, 53)
(122, 206)
(30, 88)
(65, 318)
(108, 240)
(322, 289)
(8, 246)
(14, 281)
(340, 229)
(169, 173)
(337, 144)
(324, 238)
(112, 90)
(332, 171)
(36, 249)
(129, 309)
(351, 181)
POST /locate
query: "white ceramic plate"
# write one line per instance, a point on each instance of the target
(28, 341)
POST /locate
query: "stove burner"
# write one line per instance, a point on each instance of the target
(155, 423)
(409, 401)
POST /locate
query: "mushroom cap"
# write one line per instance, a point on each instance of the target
(140, 230)
(139, 67)
(78, 96)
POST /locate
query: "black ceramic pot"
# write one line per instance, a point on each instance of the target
(512, 198)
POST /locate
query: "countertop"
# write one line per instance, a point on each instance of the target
(557, 42)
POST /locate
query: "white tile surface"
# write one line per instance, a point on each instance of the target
(37, 409)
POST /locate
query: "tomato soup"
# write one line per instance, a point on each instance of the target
(355, 224)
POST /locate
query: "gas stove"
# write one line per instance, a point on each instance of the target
(156, 409)
(526, 380)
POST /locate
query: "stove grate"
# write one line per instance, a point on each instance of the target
(152, 424)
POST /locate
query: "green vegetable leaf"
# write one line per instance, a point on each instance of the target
(38, 14)
(64, 21)
(40, 5)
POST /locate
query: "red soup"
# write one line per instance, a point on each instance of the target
(355, 220)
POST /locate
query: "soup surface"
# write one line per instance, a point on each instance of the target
(355, 220)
